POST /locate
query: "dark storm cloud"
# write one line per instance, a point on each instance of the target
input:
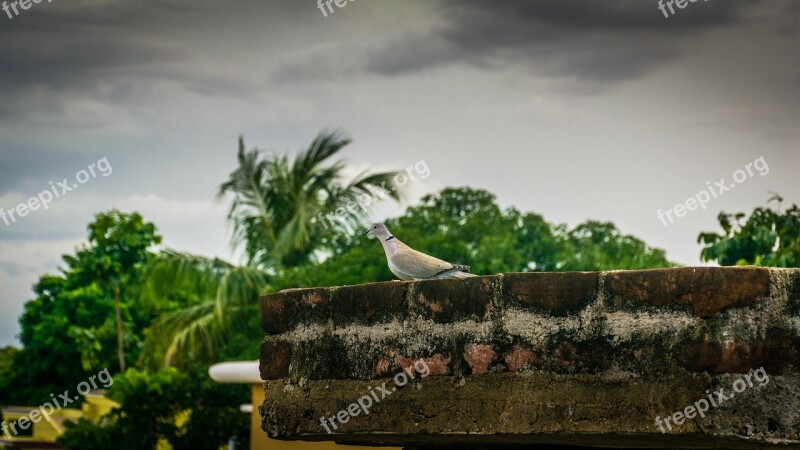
(71, 62)
(64, 47)
(592, 40)
(70, 49)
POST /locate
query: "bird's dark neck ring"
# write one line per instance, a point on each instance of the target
(389, 238)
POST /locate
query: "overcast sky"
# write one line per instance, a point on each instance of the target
(573, 109)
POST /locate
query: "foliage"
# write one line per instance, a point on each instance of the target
(114, 261)
(465, 225)
(276, 212)
(766, 238)
(277, 204)
(69, 330)
(595, 245)
(189, 412)
(7, 355)
(202, 301)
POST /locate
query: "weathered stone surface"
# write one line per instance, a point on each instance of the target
(276, 356)
(444, 302)
(540, 408)
(285, 310)
(368, 304)
(479, 357)
(704, 290)
(793, 291)
(557, 294)
(776, 352)
(519, 358)
(569, 359)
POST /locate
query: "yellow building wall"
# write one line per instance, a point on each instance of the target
(260, 441)
(45, 430)
(96, 406)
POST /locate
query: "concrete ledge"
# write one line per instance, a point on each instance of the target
(550, 358)
(531, 408)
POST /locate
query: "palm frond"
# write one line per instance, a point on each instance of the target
(239, 288)
(174, 272)
(325, 145)
(193, 330)
(214, 294)
(277, 202)
(250, 210)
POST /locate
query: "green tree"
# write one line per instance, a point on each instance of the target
(595, 245)
(72, 327)
(187, 411)
(115, 260)
(277, 211)
(7, 355)
(465, 225)
(768, 237)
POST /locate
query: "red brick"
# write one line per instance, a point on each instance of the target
(394, 361)
(284, 310)
(705, 291)
(276, 357)
(520, 358)
(774, 352)
(557, 294)
(479, 357)
(447, 301)
(369, 304)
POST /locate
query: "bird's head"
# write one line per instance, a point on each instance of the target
(378, 230)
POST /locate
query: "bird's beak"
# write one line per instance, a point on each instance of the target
(365, 233)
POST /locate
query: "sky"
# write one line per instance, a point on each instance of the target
(572, 109)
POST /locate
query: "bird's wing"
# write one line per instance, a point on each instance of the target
(417, 264)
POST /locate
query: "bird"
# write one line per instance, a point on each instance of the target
(409, 264)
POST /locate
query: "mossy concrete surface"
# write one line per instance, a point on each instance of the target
(586, 359)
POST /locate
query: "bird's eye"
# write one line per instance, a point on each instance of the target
(374, 227)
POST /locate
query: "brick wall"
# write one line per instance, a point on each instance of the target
(587, 358)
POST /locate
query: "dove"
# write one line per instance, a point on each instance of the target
(409, 264)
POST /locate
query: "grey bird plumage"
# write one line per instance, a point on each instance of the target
(409, 264)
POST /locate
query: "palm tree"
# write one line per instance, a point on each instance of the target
(277, 203)
(275, 213)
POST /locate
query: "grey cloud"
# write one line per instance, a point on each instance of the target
(11, 269)
(17, 163)
(109, 51)
(328, 63)
(598, 41)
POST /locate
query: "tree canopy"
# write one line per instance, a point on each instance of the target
(69, 330)
(465, 225)
(187, 411)
(768, 237)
